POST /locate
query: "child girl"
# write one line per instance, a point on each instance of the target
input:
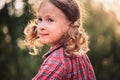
(59, 25)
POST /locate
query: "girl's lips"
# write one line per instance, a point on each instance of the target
(43, 35)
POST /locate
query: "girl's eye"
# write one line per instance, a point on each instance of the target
(50, 20)
(39, 19)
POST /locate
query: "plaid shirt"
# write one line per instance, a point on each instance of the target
(58, 66)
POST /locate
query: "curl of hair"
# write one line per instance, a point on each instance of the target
(75, 40)
(31, 38)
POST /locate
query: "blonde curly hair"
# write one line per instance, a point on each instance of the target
(74, 40)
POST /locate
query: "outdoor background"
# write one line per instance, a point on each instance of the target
(102, 25)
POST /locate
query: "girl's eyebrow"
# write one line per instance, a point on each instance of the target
(38, 16)
(47, 16)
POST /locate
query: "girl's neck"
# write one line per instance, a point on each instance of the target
(54, 45)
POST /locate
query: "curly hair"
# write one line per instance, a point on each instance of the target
(74, 40)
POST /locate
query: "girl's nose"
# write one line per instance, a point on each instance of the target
(41, 26)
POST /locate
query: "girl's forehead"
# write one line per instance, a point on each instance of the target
(48, 7)
(49, 10)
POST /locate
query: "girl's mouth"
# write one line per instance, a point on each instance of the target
(43, 35)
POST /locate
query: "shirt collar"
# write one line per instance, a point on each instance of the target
(51, 50)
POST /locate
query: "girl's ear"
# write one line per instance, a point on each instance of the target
(70, 24)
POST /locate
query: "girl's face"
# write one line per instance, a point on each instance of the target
(52, 23)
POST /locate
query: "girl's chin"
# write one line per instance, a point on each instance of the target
(48, 43)
(45, 42)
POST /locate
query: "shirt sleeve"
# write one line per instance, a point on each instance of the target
(51, 69)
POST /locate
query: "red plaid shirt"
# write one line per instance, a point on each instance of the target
(58, 66)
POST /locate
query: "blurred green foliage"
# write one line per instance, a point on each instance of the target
(17, 64)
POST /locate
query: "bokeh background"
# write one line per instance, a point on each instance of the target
(102, 25)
